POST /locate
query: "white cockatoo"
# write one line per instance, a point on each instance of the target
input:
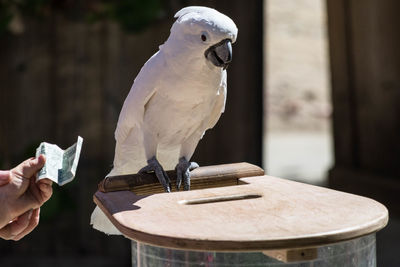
(178, 94)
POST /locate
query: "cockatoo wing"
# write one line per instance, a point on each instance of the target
(134, 106)
(219, 106)
(129, 151)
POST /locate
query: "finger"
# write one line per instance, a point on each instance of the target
(46, 181)
(31, 166)
(25, 171)
(33, 222)
(37, 194)
(4, 177)
(46, 190)
(13, 229)
(19, 225)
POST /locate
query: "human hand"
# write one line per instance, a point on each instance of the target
(21, 198)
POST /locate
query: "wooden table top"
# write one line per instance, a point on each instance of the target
(261, 213)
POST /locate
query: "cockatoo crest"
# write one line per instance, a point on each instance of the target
(203, 18)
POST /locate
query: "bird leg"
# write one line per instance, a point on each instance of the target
(183, 169)
(155, 166)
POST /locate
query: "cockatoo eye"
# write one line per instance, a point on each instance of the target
(203, 37)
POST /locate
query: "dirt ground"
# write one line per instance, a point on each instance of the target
(298, 143)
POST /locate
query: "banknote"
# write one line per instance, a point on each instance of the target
(61, 165)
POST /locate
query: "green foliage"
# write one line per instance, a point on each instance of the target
(136, 15)
(5, 16)
(11, 8)
(132, 15)
(32, 7)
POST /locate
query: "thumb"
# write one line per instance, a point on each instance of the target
(23, 175)
(31, 166)
(4, 177)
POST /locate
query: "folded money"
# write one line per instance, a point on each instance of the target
(60, 166)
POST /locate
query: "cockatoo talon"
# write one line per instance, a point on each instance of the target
(155, 166)
(183, 169)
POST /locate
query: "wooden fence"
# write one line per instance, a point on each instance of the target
(60, 79)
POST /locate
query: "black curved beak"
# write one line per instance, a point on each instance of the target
(220, 54)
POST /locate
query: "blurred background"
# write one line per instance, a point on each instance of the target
(312, 96)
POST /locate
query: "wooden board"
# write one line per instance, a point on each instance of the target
(201, 177)
(262, 214)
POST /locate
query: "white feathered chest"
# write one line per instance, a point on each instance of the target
(184, 99)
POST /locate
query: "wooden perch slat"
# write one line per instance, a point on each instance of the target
(202, 177)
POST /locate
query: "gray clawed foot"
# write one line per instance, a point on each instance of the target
(183, 169)
(154, 165)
